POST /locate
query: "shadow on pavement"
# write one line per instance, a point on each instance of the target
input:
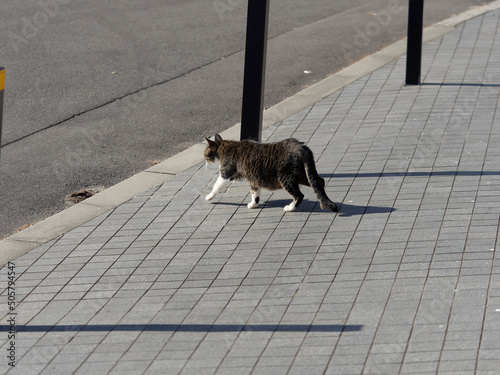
(310, 206)
(351, 210)
(409, 174)
(460, 84)
(188, 327)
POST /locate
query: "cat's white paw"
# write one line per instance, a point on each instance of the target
(289, 208)
(210, 196)
(252, 205)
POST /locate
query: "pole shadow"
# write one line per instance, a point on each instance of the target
(459, 84)
(409, 174)
(187, 328)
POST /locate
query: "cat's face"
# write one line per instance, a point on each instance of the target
(211, 151)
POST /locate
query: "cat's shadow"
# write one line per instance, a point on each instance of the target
(345, 209)
(353, 210)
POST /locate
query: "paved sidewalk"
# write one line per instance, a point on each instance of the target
(403, 280)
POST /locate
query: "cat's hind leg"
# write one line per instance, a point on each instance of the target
(255, 197)
(292, 187)
(220, 184)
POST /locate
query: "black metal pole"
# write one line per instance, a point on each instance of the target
(255, 70)
(414, 49)
(2, 85)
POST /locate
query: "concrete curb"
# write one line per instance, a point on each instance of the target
(56, 225)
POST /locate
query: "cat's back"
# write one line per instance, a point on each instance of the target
(285, 145)
(274, 156)
(287, 148)
(290, 144)
(250, 150)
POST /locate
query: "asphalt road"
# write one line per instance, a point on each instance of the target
(96, 90)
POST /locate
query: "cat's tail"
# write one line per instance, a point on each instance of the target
(317, 183)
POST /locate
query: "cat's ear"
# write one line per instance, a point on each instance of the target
(218, 138)
(210, 143)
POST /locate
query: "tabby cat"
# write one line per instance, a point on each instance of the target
(284, 164)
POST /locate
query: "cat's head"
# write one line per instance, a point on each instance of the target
(212, 147)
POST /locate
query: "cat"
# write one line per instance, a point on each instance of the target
(284, 164)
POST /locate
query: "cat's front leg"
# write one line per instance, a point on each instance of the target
(220, 184)
(255, 198)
